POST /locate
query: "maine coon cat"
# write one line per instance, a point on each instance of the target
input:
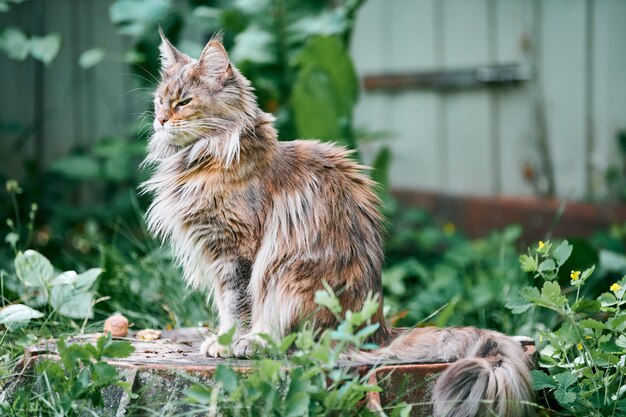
(262, 223)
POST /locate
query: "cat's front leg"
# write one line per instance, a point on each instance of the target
(272, 315)
(233, 306)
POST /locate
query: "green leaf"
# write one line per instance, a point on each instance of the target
(33, 269)
(77, 167)
(518, 306)
(225, 339)
(12, 238)
(617, 323)
(254, 45)
(325, 90)
(402, 410)
(70, 302)
(564, 397)
(65, 278)
(133, 17)
(87, 278)
(541, 380)
(103, 372)
(587, 272)
(367, 330)
(118, 349)
(562, 252)
(565, 379)
(199, 394)
(287, 341)
(546, 266)
(621, 341)
(586, 306)
(15, 316)
(91, 57)
(14, 43)
(227, 377)
(551, 294)
(531, 294)
(380, 167)
(592, 324)
(528, 263)
(45, 48)
(328, 300)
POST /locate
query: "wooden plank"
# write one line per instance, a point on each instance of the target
(562, 69)
(610, 84)
(116, 103)
(413, 114)
(604, 150)
(59, 123)
(370, 53)
(469, 148)
(512, 112)
(17, 109)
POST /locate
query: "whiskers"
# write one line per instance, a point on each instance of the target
(202, 138)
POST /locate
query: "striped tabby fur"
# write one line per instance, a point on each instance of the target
(261, 224)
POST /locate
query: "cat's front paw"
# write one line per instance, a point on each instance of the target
(247, 345)
(211, 347)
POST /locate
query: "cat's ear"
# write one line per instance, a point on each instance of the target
(170, 56)
(214, 61)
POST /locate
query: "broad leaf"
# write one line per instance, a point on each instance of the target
(14, 43)
(77, 167)
(564, 397)
(541, 380)
(132, 17)
(118, 349)
(325, 89)
(562, 252)
(565, 379)
(45, 48)
(225, 339)
(91, 57)
(17, 315)
(226, 377)
(87, 278)
(593, 324)
(254, 45)
(70, 302)
(33, 269)
(551, 295)
(528, 263)
(65, 278)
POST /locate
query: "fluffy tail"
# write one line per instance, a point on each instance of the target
(488, 376)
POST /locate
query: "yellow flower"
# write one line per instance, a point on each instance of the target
(588, 337)
(540, 245)
(449, 229)
(575, 275)
(615, 287)
(579, 346)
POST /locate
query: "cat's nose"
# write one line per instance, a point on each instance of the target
(162, 120)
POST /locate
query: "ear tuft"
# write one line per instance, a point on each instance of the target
(214, 60)
(170, 56)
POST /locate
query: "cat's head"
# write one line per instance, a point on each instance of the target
(200, 99)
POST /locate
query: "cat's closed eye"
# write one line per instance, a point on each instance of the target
(183, 103)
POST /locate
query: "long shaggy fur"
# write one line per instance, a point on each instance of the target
(488, 374)
(261, 224)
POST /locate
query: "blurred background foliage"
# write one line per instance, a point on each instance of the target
(83, 211)
(88, 212)
(295, 52)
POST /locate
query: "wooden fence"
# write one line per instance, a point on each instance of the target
(555, 131)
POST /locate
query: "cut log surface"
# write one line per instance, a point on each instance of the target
(160, 370)
(174, 349)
